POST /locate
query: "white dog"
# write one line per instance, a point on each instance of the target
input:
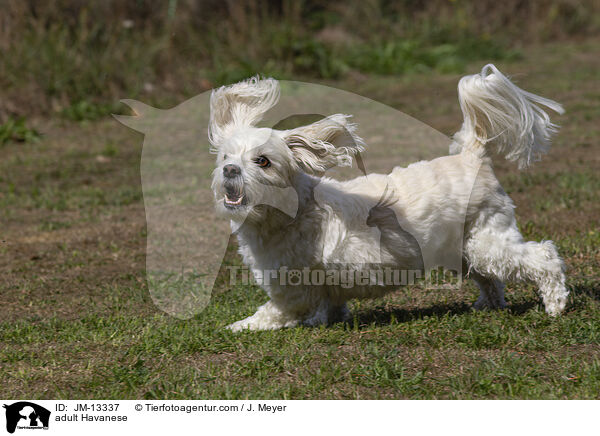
(452, 204)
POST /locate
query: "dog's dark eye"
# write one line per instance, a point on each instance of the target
(224, 156)
(262, 162)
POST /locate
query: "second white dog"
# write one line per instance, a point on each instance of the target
(453, 204)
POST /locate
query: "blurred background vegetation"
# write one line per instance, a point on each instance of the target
(77, 58)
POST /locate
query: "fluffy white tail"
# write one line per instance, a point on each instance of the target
(498, 112)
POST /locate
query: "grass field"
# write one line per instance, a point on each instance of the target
(77, 320)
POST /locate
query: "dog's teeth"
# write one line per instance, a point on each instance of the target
(234, 203)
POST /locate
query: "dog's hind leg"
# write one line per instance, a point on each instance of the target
(501, 254)
(491, 292)
(327, 313)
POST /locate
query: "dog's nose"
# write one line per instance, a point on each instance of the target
(231, 171)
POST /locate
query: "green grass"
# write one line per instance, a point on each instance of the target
(451, 355)
(17, 130)
(87, 111)
(409, 56)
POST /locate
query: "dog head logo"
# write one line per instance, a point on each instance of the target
(193, 204)
(26, 415)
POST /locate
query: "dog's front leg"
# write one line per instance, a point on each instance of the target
(267, 317)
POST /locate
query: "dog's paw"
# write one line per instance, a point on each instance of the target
(238, 326)
(253, 324)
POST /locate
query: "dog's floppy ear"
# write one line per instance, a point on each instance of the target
(239, 105)
(324, 144)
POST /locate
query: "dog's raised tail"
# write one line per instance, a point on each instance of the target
(498, 113)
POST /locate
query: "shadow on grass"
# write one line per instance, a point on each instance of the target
(387, 315)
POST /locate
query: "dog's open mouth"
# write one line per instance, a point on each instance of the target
(234, 199)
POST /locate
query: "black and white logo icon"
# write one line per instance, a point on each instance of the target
(26, 415)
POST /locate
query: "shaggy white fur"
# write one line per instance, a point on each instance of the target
(450, 211)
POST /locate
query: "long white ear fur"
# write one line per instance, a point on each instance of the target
(240, 105)
(324, 144)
